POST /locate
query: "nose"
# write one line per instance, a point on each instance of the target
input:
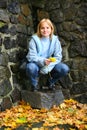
(45, 29)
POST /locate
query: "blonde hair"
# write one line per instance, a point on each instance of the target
(49, 23)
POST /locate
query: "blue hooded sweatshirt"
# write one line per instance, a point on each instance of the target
(35, 53)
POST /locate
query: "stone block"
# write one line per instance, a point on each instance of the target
(43, 99)
(6, 103)
(3, 3)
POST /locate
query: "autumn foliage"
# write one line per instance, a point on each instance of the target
(69, 112)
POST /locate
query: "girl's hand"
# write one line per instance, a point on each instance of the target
(47, 61)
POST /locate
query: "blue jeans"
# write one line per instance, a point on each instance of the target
(58, 71)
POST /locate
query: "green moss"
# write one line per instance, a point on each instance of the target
(2, 24)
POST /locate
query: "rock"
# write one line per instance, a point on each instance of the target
(43, 99)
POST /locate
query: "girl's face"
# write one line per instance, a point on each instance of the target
(45, 29)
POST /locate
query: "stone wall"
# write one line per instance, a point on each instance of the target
(16, 26)
(18, 21)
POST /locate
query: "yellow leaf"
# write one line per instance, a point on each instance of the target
(21, 120)
(35, 128)
(72, 129)
(86, 126)
(7, 129)
(63, 105)
(52, 59)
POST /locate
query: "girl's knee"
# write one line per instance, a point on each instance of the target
(65, 68)
(29, 66)
(32, 67)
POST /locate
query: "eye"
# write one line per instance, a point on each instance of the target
(42, 27)
(47, 27)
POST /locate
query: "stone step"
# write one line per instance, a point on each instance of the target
(43, 99)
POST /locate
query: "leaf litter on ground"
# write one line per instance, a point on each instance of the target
(69, 112)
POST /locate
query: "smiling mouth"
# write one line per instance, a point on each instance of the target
(45, 32)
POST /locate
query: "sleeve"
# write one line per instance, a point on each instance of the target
(57, 51)
(32, 55)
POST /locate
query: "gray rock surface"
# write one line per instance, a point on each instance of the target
(43, 99)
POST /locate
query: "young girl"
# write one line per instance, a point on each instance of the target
(43, 45)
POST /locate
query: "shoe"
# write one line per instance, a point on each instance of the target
(52, 87)
(34, 88)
